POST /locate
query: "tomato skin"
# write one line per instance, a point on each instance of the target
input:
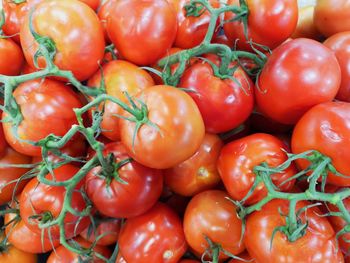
(199, 172)
(156, 236)
(306, 27)
(238, 159)
(181, 128)
(120, 76)
(120, 259)
(317, 245)
(270, 22)
(13, 254)
(326, 128)
(311, 75)
(11, 57)
(142, 30)
(339, 43)
(79, 37)
(103, 13)
(116, 200)
(94, 4)
(244, 256)
(215, 217)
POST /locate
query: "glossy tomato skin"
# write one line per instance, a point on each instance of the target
(339, 43)
(79, 37)
(180, 128)
(211, 214)
(326, 128)
(199, 172)
(142, 30)
(32, 203)
(306, 27)
(120, 259)
(13, 254)
(270, 22)
(238, 159)
(317, 245)
(223, 103)
(299, 74)
(94, 4)
(120, 76)
(11, 57)
(156, 236)
(39, 120)
(142, 189)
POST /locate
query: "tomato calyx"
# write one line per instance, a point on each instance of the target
(110, 172)
(42, 218)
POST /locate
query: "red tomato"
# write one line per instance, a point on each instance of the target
(141, 190)
(210, 214)
(270, 22)
(142, 30)
(339, 43)
(306, 27)
(326, 128)
(11, 57)
(156, 236)
(78, 37)
(94, 4)
(47, 107)
(119, 76)
(13, 254)
(224, 104)
(199, 172)
(179, 131)
(299, 74)
(238, 159)
(317, 245)
(33, 203)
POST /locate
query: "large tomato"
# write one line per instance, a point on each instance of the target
(78, 37)
(210, 214)
(238, 159)
(47, 107)
(299, 74)
(176, 132)
(326, 128)
(156, 236)
(142, 30)
(270, 22)
(13, 254)
(141, 190)
(317, 245)
(11, 57)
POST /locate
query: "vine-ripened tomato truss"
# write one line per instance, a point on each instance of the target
(317, 171)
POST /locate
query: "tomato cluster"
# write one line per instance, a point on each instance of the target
(175, 131)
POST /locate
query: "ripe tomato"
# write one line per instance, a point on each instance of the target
(299, 74)
(115, 199)
(13, 254)
(47, 107)
(224, 104)
(142, 30)
(180, 128)
(32, 203)
(317, 245)
(325, 128)
(245, 256)
(238, 159)
(270, 22)
(94, 4)
(199, 172)
(156, 236)
(119, 76)
(78, 37)
(306, 27)
(11, 57)
(210, 214)
(339, 43)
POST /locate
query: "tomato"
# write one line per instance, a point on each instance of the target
(119, 76)
(94, 4)
(213, 216)
(156, 236)
(11, 57)
(339, 43)
(78, 38)
(245, 256)
(331, 16)
(141, 190)
(199, 172)
(317, 245)
(238, 159)
(223, 103)
(179, 131)
(33, 203)
(191, 30)
(142, 30)
(47, 107)
(299, 74)
(13, 254)
(62, 254)
(306, 27)
(270, 22)
(326, 128)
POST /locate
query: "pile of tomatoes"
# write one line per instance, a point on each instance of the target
(175, 131)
